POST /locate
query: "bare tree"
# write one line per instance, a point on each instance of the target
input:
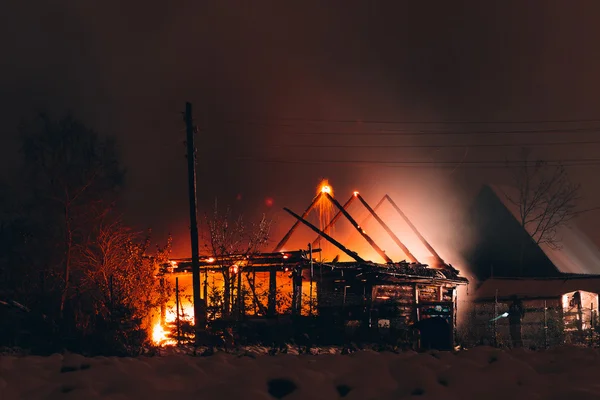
(73, 173)
(546, 199)
(117, 275)
(233, 243)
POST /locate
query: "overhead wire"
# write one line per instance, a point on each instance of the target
(408, 122)
(429, 164)
(416, 146)
(389, 132)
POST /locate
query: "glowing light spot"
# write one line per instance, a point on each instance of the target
(159, 335)
(210, 260)
(234, 269)
(325, 187)
(325, 209)
(269, 202)
(355, 194)
(174, 263)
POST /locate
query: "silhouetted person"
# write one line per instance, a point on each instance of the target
(297, 292)
(516, 312)
(576, 303)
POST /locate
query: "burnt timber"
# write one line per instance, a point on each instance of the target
(395, 238)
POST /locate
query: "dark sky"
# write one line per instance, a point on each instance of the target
(260, 74)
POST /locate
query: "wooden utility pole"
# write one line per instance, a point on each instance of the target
(310, 257)
(199, 309)
(177, 308)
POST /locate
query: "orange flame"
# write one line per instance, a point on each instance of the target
(325, 208)
(325, 187)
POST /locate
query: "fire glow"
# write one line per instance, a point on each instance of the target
(163, 329)
(350, 237)
(324, 206)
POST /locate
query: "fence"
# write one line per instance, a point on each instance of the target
(545, 323)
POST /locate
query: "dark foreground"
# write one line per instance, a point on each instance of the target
(480, 373)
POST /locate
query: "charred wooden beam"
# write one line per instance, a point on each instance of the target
(293, 228)
(334, 220)
(416, 231)
(395, 238)
(326, 236)
(369, 216)
(360, 230)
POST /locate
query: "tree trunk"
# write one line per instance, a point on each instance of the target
(522, 252)
(257, 303)
(240, 296)
(226, 292)
(69, 246)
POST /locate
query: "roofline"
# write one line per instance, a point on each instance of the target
(564, 277)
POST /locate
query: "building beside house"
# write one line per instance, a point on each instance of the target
(557, 287)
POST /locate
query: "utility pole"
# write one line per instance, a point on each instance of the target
(310, 257)
(199, 309)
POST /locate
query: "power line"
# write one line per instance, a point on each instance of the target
(410, 146)
(587, 210)
(431, 164)
(449, 133)
(409, 122)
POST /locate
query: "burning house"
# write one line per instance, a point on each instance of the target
(383, 297)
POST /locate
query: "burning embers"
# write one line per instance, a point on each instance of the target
(325, 207)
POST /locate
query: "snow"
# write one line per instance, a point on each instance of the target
(479, 373)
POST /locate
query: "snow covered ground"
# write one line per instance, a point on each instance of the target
(480, 373)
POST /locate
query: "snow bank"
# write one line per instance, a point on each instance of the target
(480, 373)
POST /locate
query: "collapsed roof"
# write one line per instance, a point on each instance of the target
(404, 269)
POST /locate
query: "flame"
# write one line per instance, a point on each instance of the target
(162, 330)
(325, 187)
(159, 335)
(325, 208)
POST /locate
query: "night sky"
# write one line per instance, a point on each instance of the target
(276, 87)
